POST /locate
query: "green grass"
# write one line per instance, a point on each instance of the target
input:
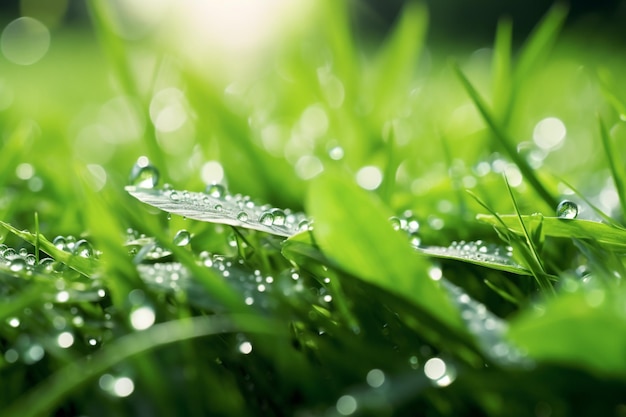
(447, 287)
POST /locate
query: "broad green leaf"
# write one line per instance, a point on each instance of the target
(86, 266)
(609, 236)
(578, 329)
(352, 229)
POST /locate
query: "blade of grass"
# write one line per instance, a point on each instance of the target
(86, 266)
(619, 178)
(539, 43)
(395, 63)
(504, 140)
(535, 264)
(610, 237)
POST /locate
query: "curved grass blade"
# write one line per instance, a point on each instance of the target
(531, 254)
(233, 210)
(86, 266)
(46, 395)
(609, 236)
(505, 141)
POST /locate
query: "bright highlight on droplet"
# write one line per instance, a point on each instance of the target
(123, 387)
(65, 339)
(346, 405)
(245, 348)
(25, 41)
(63, 296)
(567, 210)
(142, 318)
(549, 133)
(369, 177)
(435, 368)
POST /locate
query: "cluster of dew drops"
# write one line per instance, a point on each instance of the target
(217, 199)
(23, 260)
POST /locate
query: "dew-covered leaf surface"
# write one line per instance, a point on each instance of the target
(478, 253)
(218, 206)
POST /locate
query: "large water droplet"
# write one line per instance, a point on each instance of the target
(279, 217)
(266, 219)
(216, 190)
(182, 238)
(83, 249)
(567, 210)
(242, 216)
(143, 174)
(17, 264)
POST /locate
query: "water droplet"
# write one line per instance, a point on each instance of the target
(142, 318)
(174, 196)
(242, 216)
(266, 219)
(218, 207)
(303, 226)
(59, 242)
(245, 347)
(123, 387)
(216, 190)
(34, 353)
(395, 223)
(65, 339)
(143, 174)
(83, 249)
(375, 378)
(567, 210)
(346, 405)
(279, 217)
(182, 238)
(17, 264)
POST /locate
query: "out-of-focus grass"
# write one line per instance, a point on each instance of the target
(346, 318)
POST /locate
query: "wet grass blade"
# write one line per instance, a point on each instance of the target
(531, 255)
(86, 266)
(504, 140)
(619, 178)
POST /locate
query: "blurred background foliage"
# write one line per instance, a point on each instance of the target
(263, 97)
(266, 96)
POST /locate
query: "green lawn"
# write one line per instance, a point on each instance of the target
(316, 225)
